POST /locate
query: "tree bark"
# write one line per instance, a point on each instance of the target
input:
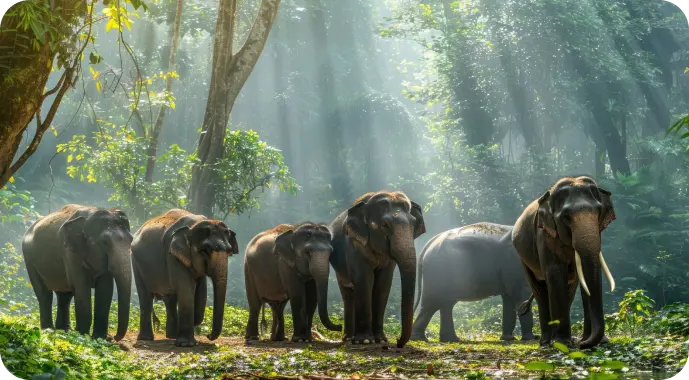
(228, 74)
(155, 132)
(24, 74)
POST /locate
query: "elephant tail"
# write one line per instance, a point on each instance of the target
(264, 324)
(525, 306)
(156, 321)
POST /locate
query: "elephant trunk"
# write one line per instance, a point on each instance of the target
(586, 243)
(319, 266)
(402, 247)
(123, 280)
(218, 274)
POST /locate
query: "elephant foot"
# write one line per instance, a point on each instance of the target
(185, 342)
(604, 340)
(381, 338)
(363, 339)
(278, 338)
(507, 338)
(449, 339)
(144, 336)
(529, 337)
(418, 338)
(566, 341)
(346, 338)
(171, 335)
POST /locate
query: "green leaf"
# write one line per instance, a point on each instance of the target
(613, 364)
(555, 322)
(577, 355)
(561, 347)
(539, 366)
(95, 58)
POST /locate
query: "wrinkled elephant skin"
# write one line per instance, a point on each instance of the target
(289, 263)
(558, 238)
(471, 263)
(72, 251)
(172, 255)
(369, 239)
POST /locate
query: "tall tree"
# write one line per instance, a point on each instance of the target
(155, 132)
(229, 72)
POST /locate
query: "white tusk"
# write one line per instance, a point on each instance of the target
(580, 273)
(607, 273)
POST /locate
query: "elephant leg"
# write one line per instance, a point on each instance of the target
(348, 303)
(172, 322)
(556, 281)
(540, 292)
(255, 305)
(297, 299)
(311, 304)
(381, 292)
(44, 296)
(64, 299)
(146, 306)
(102, 301)
(274, 325)
(447, 324)
(186, 288)
(585, 299)
(200, 299)
(509, 318)
(426, 311)
(363, 289)
(278, 311)
(82, 304)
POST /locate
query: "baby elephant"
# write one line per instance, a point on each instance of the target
(471, 263)
(289, 263)
(172, 254)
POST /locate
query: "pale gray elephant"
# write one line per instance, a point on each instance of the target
(471, 263)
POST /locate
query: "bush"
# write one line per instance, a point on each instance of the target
(674, 319)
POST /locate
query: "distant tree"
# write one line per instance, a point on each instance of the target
(229, 71)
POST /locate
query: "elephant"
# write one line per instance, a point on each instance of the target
(74, 250)
(289, 263)
(172, 254)
(471, 263)
(376, 233)
(558, 239)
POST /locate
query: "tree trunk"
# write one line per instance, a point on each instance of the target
(24, 72)
(229, 72)
(155, 133)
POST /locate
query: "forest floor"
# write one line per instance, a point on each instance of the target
(27, 351)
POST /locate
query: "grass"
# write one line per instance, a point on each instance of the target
(27, 352)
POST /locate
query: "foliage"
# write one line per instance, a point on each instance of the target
(674, 319)
(247, 167)
(27, 352)
(646, 246)
(16, 206)
(16, 296)
(634, 314)
(116, 157)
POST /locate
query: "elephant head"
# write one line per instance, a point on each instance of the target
(575, 211)
(307, 249)
(387, 223)
(204, 247)
(102, 239)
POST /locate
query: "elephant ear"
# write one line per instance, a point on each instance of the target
(176, 240)
(122, 218)
(284, 248)
(355, 223)
(545, 220)
(420, 226)
(73, 237)
(179, 246)
(232, 238)
(608, 214)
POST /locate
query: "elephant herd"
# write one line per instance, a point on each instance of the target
(553, 247)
